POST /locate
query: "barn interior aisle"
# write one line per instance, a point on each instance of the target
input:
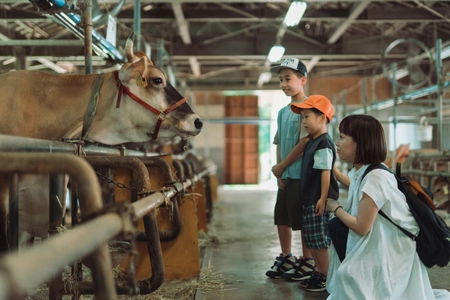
(244, 244)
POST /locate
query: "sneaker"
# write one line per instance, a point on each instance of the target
(281, 265)
(302, 269)
(304, 283)
(319, 284)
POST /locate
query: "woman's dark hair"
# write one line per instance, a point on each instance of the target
(369, 136)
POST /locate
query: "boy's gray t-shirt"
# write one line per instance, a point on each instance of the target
(289, 132)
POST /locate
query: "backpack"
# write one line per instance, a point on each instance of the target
(433, 239)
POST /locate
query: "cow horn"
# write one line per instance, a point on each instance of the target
(129, 47)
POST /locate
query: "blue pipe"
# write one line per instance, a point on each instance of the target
(97, 38)
(58, 3)
(101, 44)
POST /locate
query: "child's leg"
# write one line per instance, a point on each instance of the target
(321, 258)
(305, 250)
(285, 236)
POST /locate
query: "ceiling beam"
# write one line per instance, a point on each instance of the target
(195, 66)
(357, 9)
(183, 26)
(432, 11)
(48, 43)
(51, 65)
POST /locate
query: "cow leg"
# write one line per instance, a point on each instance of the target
(4, 210)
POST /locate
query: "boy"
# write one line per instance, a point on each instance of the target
(290, 140)
(318, 184)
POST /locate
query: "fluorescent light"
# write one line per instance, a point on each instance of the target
(445, 53)
(275, 53)
(147, 7)
(295, 13)
(264, 78)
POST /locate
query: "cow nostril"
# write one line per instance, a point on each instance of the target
(198, 123)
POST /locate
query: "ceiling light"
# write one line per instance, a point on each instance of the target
(275, 53)
(147, 7)
(295, 13)
(264, 78)
(445, 53)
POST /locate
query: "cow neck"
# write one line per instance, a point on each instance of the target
(161, 114)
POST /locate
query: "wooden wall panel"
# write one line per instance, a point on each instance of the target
(241, 142)
(376, 89)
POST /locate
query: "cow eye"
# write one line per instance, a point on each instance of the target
(157, 80)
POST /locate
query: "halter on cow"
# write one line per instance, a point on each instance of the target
(107, 110)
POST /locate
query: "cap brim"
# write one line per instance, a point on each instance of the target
(277, 69)
(297, 108)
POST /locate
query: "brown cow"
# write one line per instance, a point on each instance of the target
(134, 104)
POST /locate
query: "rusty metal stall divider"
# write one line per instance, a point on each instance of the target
(143, 206)
(426, 166)
(432, 170)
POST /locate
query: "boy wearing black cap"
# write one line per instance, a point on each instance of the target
(290, 140)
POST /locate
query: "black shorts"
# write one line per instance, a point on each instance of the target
(289, 208)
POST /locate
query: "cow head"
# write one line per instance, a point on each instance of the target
(155, 109)
(441, 193)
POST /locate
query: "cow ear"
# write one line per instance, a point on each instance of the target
(139, 54)
(140, 65)
(129, 71)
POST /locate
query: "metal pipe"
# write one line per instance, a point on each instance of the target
(440, 95)
(17, 276)
(23, 270)
(394, 114)
(90, 203)
(13, 227)
(86, 13)
(56, 194)
(99, 18)
(141, 177)
(166, 174)
(137, 23)
(139, 172)
(9, 143)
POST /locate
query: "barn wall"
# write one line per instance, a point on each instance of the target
(210, 106)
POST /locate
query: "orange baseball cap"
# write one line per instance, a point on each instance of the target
(318, 102)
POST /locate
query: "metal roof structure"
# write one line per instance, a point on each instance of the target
(223, 44)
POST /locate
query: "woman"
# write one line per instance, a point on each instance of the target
(381, 261)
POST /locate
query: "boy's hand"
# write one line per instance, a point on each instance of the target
(320, 207)
(277, 170)
(281, 184)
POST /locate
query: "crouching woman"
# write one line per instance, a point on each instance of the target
(380, 261)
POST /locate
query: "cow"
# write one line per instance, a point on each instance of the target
(441, 197)
(133, 104)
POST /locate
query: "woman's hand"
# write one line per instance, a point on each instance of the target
(331, 205)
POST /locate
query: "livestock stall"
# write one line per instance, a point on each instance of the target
(151, 204)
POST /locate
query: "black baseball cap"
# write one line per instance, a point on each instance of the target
(291, 63)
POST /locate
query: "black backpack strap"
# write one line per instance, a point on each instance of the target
(373, 167)
(409, 234)
(398, 172)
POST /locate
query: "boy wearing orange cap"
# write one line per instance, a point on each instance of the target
(318, 183)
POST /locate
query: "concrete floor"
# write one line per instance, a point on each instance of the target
(247, 244)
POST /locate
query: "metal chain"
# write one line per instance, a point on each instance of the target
(118, 184)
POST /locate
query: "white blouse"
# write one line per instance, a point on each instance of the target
(384, 263)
